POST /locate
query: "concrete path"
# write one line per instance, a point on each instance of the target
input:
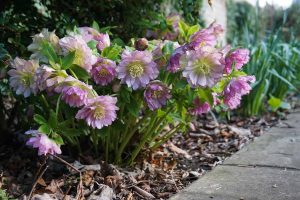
(267, 169)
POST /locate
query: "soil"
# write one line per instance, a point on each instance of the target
(155, 175)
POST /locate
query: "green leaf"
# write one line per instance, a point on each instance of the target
(119, 42)
(52, 120)
(274, 103)
(133, 108)
(39, 119)
(96, 26)
(49, 52)
(67, 61)
(45, 129)
(57, 139)
(168, 48)
(112, 52)
(92, 44)
(180, 84)
(275, 73)
(80, 72)
(193, 29)
(205, 95)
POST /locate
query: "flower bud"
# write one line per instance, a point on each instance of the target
(141, 44)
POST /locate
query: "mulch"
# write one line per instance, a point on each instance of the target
(155, 175)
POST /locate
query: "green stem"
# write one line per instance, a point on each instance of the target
(167, 136)
(45, 101)
(73, 73)
(57, 105)
(154, 123)
(129, 136)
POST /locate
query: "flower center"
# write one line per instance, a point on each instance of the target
(156, 94)
(202, 66)
(99, 112)
(78, 58)
(26, 79)
(135, 69)
(103, 72)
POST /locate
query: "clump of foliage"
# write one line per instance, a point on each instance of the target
(120, 97)
(274, 55)
(125, 19)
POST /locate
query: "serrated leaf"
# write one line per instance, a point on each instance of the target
(111, 52)
(92, 44)
(96, 26)
(80, 72)
(52, 119)
(49, 52)
(45, 129)
(133, 108)
(39, 119)
(67, 61)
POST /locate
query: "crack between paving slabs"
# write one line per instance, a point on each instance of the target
(263, 166)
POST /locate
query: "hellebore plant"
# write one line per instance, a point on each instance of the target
(122, 97)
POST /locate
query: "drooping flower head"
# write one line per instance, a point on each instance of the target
(43, 143)
(104, 71)
(137, 68)
(99, 111)
(174, 62)
(22, 76)
(89, 34)
(156, 94)
(239, 57)
(83, 54)
(236, 88)
(200, 107)
(39, 40)
(103, 41)
(74, 92)
(206, 37)
(42, 74)
(203, 67)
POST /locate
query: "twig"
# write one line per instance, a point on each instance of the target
(35, 183)
(80, 185)
(144, 193)
(66, 163)
(174, 180)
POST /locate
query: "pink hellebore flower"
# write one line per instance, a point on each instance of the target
(239, 57)
(74, 92)
(206, 37)
(89, 34)
(22, 76)
(199, 107)
(137, 68)
(83, 54)
(99, 111)
(236, 88)
(104, 71)
(39, 40)
(203, 67)
(156, 94)
(43, 143)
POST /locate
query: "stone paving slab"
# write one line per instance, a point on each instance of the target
(267, 169)
(247, 183)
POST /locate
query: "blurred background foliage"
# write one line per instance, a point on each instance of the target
(20, 19)
(272, 34)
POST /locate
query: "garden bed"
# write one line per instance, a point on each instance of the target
(157, 175)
